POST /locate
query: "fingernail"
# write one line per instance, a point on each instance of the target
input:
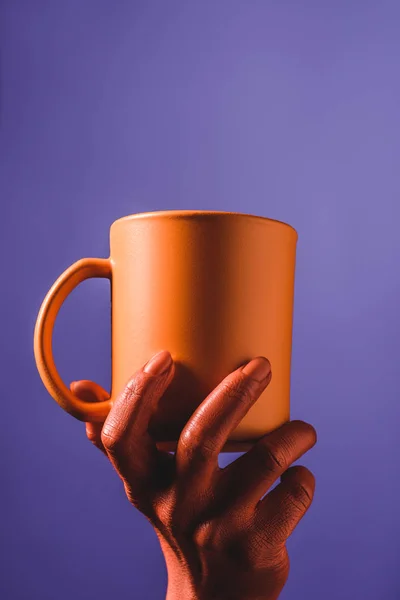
(159, 363)
(259, 368)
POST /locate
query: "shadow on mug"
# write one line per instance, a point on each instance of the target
(184, 394)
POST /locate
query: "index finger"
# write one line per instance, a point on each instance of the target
(125, 436)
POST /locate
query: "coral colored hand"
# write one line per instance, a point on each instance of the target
(221, 537)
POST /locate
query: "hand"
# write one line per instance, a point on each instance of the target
(220, 537)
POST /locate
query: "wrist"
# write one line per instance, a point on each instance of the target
(240, 586)
(190, 578)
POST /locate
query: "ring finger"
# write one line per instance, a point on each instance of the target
(250, 476)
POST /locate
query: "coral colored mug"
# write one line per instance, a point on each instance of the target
(214, 288)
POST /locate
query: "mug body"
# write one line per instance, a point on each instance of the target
(215, 289)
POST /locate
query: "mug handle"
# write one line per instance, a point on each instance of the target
(43, 338)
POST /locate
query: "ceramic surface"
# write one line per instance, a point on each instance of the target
(214, 288)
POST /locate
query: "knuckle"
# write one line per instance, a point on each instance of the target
(273, 457)
(197, 450)
(228, 533)
(112, 438)
(200, 454)
(134, 388)
(299, 497)
(202, 535)
(208, 535)
(239, 389)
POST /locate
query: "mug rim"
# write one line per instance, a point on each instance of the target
(187, 213)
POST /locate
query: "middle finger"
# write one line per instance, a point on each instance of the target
(206, 432)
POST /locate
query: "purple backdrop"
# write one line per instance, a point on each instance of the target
(283, 109)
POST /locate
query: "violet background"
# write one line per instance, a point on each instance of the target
(283, 109)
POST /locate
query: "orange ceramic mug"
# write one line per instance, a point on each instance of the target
(214, 288)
